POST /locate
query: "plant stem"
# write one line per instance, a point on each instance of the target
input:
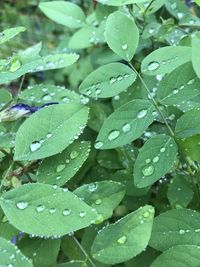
(83, 250)
(153, 100)
(20, 85)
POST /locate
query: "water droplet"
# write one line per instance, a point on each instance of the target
(122, 240)
(46, 97)
(98, 201)
(92, 187)
(113, 135)
(58, 177)
(35, 146)
(113, 80)
(73, 154)
(181, 231)
(146, 214)
(88, 92)
(40, 208)
(82, 213)
(147, 171)
(153, 65)
(49, 135)
(156, 159)
(162, 149)
(66, 212)
(52, 210)
(60, 167)
(98, 144)
(98, 91)
(175, 91)
(180, 15)
(126, 128)
(124, 47)
(22, 205)
(142, 114)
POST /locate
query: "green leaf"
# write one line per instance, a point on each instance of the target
(191, 147)
(104, 196)
(155, 159)
(124, 239)
(65, 13)
(8, 34)
(44, 93)
(179, 191)
(123, 42)
(120, 2)
(62, 167)
(179, 86)
(188, 124)
(166, 59)
(5, 97)
(125, 124)
(178, 256)
(45, 210)
(107, 81)
(175, 227)
(38, 250)
(56, 124)
(196, 54)
(73, 264)
(17, 66)
(10, 255)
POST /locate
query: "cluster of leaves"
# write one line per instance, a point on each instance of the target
(100, 161)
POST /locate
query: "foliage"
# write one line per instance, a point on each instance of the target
(99, 133)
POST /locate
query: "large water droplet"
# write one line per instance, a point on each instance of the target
(60, 167)
(122, 240)
(73, 154)
(142, 114)
(66, 212)
(98, 144)
(22, 205)
(147, 171)
(35, 146)
(113, 135)
(126, 128)
(153, 65)
(124, 46)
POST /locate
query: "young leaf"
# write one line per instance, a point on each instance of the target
(178, 86)
(188, 124)
(60, 168)
(175, 227)
(124, 239)
(179, 191)
(196, 54)
(104, 196)
(123, 42)
(108, 80)
(10, 255)
(45, 210)
(166, 59)
(155, 159)
(44, 93)
(178, 256)
(125, 124)
(8, 34)
(56, 124)
(65, 13)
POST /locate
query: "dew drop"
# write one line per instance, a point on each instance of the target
(181, 231)
(82, 213)
(66, 212)
(52, 210)
(58, 177)
(98, 144)
(154, 65)
(40, 208)
(122, 240)
(162, 149)
(98, 201)
(142, 114)
(113, 80)
(146, 214)
(147, 171)
(22, 205)
(124, 47)
(73, 154)
(88, 92)
(175, 91)
(92, 187)
(46, 97)
(35, 146)
(113, 135)
(98, 91)
(60, 167)
(126, 128)
(156, 159)
(49, 135)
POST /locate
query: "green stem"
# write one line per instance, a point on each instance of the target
(6, 175)
(83, 250)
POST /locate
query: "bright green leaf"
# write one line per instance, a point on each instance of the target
(8, 34)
